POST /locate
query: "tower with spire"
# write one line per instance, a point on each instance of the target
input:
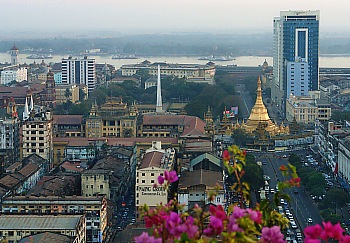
(14, 55)
(159, 106)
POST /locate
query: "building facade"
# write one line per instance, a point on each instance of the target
(79, 71)
(13, 74)
(191, 72)
(95, 210)
(296, 36)
(67, 92)
(37, 134)
(153, 163)
(112, 119)
(307, 109)
(16, 227)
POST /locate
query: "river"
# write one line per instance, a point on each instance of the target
(325, 61)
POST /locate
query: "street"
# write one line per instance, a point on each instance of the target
(301, 205)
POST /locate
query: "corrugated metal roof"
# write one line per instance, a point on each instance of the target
(35, 222)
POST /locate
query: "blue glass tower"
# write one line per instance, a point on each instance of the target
(296, 38)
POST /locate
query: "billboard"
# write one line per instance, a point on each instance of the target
(232, 112)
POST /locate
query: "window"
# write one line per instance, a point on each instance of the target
(101, 187)
(152, 181)
(218, 199)
(143, 174)
(143, 181)
(11, 233)
(152, 174)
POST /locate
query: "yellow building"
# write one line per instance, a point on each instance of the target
(191, 72)
(95, 182)
(112, 119)
(308, 109)
(65, 92)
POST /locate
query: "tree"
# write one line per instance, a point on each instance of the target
(82, 95)
(336, 197)
(253, 173)
(67, 94)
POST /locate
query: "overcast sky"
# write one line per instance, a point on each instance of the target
(159, 16)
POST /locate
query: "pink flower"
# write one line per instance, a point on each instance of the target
(313, 232)
(215, 227)
(272, 235)
(145, 238)
(331, 231)
(345, 239)
(238, 212)
(308, 240)
(160, 180)
(255, 215)
(218, 211)
(170, 176)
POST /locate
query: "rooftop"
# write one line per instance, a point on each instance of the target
(67, 119)
(151, 159)
(200, 177)
(46, 237)
(39, 222)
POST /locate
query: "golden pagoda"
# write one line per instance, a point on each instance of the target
(259, 115)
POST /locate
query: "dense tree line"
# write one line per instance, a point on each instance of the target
(197, 96)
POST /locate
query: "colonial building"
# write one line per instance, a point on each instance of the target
(16, 227)
(308, 109)
(68, 126)
(112, 119)
(95, 210)
(191, 72)
(11, 74)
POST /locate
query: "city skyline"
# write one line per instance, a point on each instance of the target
(61, 18)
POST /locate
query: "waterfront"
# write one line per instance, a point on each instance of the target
(325, 61)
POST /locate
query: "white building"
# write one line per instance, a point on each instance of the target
(344, 159)
(13, 74)
(154, 162)
(79, 71)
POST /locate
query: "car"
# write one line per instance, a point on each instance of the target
(282, 201)
(288, 212)
(290, 216)
(264, 163)
(309, 221)
(294, 226)
(284, 156)
(266, 177)
(295, 191)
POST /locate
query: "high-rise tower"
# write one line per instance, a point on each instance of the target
(159, 106)
(14, 55)
(296, 49)
(79, 71)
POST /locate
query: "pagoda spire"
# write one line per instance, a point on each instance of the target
(159, 106)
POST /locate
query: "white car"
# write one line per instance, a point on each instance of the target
(294, 226)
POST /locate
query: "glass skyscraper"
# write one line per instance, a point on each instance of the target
(296, 40)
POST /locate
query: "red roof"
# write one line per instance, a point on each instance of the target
(151, 159)
(67, 119)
